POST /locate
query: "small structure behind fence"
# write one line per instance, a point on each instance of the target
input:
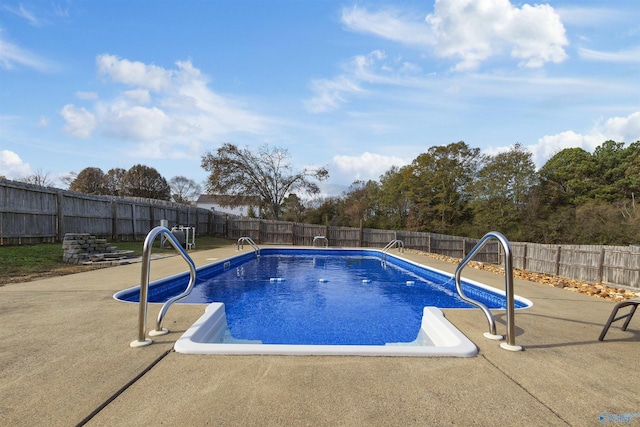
(35, 214)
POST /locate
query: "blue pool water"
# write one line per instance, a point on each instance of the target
(315, 297)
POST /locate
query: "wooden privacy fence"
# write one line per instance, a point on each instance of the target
(33, 214)
(291, 233)
(618, 265)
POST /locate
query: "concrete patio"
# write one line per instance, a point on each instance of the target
(65, 360)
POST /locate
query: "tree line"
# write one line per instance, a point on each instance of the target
(138, 181)
(576, 197)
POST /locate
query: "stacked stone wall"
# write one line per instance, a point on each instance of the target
(82, 248)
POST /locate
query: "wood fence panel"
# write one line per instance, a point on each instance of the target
(26, 213)
(451, 246)
(143, 220)
(305, 233)
(201, 221)
(344, 237)
(217, 224)
(170, 214)
(244, 227)
(579, 264)
(622, 268)
(81, 213)
(124, 220)
(372, 238)
(415, 240)
(276, 232)
(541, 258)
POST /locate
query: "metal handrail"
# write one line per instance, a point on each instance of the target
(326, 241)
(250, 241)
(391, 244)
(508, 281)
(144, 285)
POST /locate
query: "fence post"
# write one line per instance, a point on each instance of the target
(152, 216)
(558, 261)
(601, 266)
(114, 220)
(524, 258)
(60, 215)
(293, 234)
(133, 220)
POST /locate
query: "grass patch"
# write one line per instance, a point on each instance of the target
(29, 262)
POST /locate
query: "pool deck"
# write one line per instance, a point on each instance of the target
(65, 360)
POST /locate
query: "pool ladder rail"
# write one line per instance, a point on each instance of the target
(250, 241)
(508, 282)
(322, 239)
(394, 243)
(144, 286)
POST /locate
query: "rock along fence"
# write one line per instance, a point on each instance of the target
(83, 248)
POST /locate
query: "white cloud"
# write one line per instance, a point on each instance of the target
(364, 167)
(12, 56)
(472, 31)
(43, 122)
(625, 129)
(619, 129)
(136, 123)
(630, 55)
(25, 14)
(80, 122)
(139, 96)
(330, 94)
(134, 73)
(589, 16)
(390, 24)
(373, 68)
(165, 112)
(475, 30)
(12, 166)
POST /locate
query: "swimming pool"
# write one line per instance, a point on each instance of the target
(322, 301)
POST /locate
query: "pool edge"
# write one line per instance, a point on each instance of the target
(448, 340)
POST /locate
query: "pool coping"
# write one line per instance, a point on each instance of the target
(442, 337)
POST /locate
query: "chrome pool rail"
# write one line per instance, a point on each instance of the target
(321, 238)
(395, 242)
(250, 241)
(508, 282)
(144, 286)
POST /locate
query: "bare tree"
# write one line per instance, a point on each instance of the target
(68, 178)
(183, 189)
(39, 177)
(267, 174)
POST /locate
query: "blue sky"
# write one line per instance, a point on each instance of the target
(356, 86)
